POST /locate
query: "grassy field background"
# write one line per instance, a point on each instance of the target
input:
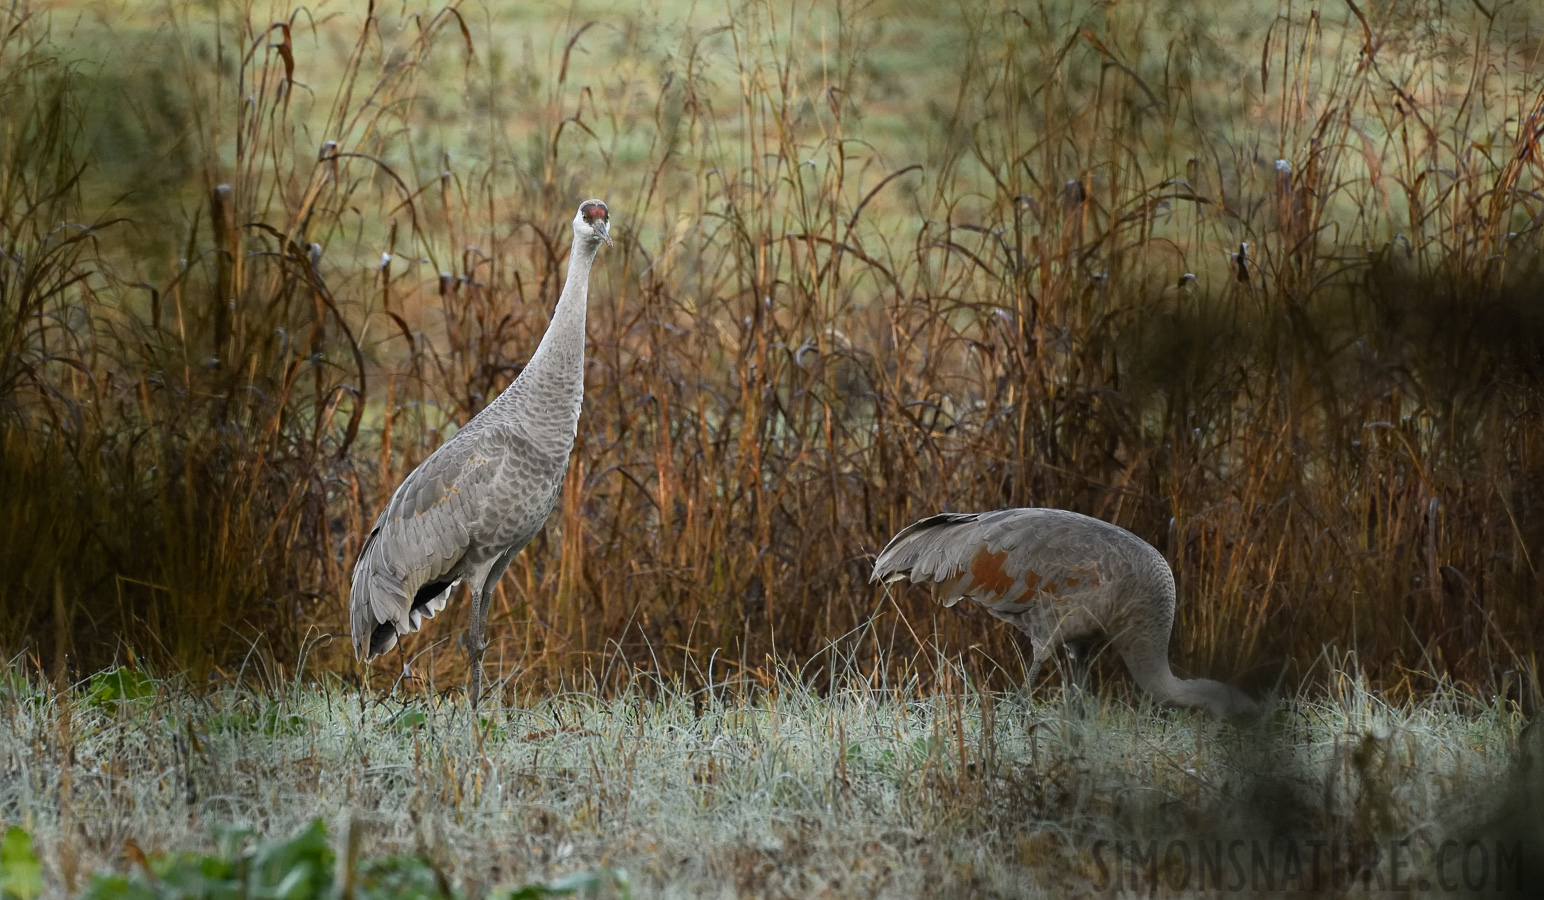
(874, 260)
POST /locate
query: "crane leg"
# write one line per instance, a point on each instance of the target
(1039, 644)
(1036, 663)
(1079, 657)
(476, 643)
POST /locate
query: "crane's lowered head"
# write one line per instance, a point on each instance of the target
(593, 223)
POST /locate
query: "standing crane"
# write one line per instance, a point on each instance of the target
(1061, 578)
(474, 503)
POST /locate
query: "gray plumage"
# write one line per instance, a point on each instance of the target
(467, 509)
(1061, 578)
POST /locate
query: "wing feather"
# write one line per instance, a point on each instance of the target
(1004, 558)
(418, 539)
(925, 549)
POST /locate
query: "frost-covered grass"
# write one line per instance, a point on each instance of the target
(938, 790)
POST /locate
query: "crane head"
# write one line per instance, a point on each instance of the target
(593, 221)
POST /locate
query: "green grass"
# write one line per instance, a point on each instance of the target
(928, 788)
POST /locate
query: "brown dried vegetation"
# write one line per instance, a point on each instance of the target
(836, 304)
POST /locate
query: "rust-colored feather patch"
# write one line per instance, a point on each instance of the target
(986, 572)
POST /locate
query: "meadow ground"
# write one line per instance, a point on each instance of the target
(873, 260)
(857, 791)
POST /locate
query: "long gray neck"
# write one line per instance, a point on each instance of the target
(1147, 657)
(562, 347)
(1219, 699)
(544, 400)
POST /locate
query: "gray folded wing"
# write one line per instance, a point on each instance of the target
(1003, 558)
(418, 540)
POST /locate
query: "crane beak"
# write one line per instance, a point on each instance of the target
(604, 227)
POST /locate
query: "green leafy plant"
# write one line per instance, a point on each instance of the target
(21, 874)
(409, 720)
(594, 883)
(408, 877)
(270, 721)
(299, 868)
(113, 688)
